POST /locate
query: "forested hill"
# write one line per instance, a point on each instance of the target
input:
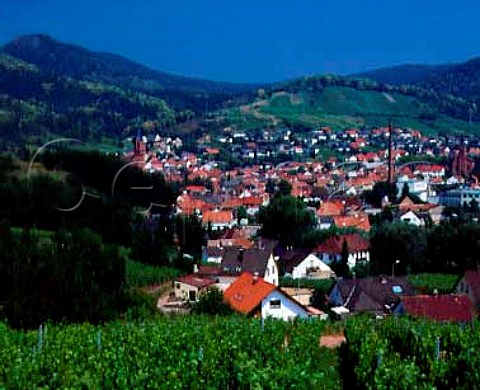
(461, 79)
(65, 59)
(404, 74)
(49, 88)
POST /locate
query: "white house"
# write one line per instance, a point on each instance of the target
(312, 266)
(218, 219)
(249, 294)
(280, 306)
(412, 218)
(304, 264)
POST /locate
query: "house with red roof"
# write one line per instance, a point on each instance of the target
(218, 219)
(251, 295)
(330, 250)
(443, 308)
(188, 205)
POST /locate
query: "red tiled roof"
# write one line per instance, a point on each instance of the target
(194, 188)
(454, 308)
(221, 216)
(209, 270)
(195, 280)
(252, 201)
(247, 292)
(330, 208)
(232, 203)
(334, 244)
(346, 221)
(189, 205)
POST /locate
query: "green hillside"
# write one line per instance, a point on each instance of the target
(341, 106)
(49, 89)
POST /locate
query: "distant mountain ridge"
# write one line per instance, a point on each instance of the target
(402, 74)
(51, 88)
(75, 61)
(458, 79)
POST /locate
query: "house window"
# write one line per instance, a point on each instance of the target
(177, 285)
(192, 296)
(275, 304)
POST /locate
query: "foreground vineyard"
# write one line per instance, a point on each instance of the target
(407, 354)
(192, 352)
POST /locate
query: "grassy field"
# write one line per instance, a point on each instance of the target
(428, 283)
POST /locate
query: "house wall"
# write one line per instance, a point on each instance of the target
(271, 271)
(353, 258)
(182, 290)
(464, 288)
(288, 309)
(311, 261)
(412, 219)
(222, 225)
(335, 297)
(224, 282)
(214, 259)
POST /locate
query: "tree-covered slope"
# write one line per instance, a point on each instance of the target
(51, 88)
(78, 62)
(461, 79)
(34, 102)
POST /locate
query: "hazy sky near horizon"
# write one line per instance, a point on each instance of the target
(257, 40)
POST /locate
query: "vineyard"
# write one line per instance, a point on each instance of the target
(184, 353)
(399, 353)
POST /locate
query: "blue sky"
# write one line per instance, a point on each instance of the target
(259, 40)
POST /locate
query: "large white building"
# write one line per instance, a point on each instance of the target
(418, 187)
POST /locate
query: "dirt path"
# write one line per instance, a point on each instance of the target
(332, 340)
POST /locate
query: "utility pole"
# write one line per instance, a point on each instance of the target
(390, 142)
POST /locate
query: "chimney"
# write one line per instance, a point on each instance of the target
(195, 269)
(255, 277)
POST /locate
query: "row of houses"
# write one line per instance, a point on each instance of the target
(272, 261)
(251, 294)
